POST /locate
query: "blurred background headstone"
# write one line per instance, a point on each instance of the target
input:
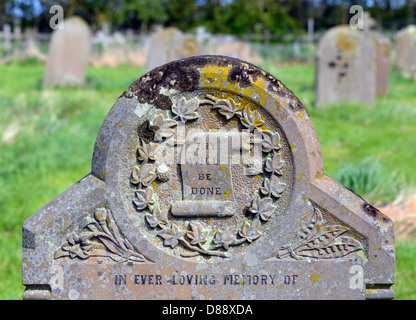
(406, 51)
(346, 67)
(69, 53)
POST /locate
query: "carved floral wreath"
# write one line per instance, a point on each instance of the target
(196, 238)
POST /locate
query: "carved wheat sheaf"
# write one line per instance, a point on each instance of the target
(319, 240)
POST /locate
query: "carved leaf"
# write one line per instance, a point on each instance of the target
(143, 175)
(251, 232)
(224, 239)
(147, 152)
(274, 165)
(264, 208)
(228, 108)
(164, 127)
(196, 233)
(186, 109)
(271, 141)
(274, 188)
(159, 217)
(170, 236)
(144, 198)
(251, 118)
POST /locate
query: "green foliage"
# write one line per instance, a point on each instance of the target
(370, 180)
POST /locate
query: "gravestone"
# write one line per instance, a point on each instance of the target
(406, 51)
(170, 44)
(383, 59)
(207, 182)
(346, 67)
(69, 53)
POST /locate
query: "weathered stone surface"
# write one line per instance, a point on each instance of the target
(69, 53)
(406, 51)
(346, 67)
(207, 182)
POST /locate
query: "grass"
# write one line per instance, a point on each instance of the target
(47, 138)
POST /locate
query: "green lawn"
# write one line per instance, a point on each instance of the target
(47, 138)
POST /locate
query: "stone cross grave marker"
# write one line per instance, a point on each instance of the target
(69, 54)
(346, 67)
(207, 182)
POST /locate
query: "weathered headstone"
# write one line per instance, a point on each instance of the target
(207, 182)
(69, 53)
(168, 45)
(383, 62)
(346, 67)
(406, 51)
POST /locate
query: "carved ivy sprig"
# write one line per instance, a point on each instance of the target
(100, 237)
(319, 240)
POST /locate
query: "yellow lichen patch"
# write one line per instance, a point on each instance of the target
(154, 184)
(116, 124)
(346, 42)
(314, 277)
(258, 177)
(223, 168)
(101, 144)
(292, 146)
(319, 175)
(300, 114)
(104, 174)
(226, 195)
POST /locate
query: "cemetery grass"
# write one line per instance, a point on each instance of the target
(47, 138)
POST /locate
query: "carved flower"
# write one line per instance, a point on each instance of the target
(147, 152)
(159, 217)
(143, 175)
(164, 127)
(251, 118)
(144, 198)
(186, 109)
(79, 246)
(271, 141)
(274, 165)
(170, 236)
(228, 108)
(196, 233)
(264, 208)
(272, 188)
(224, 239)
(250, 232)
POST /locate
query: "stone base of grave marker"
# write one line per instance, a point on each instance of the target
(249, 216)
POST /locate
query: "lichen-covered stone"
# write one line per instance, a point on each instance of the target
(221, 195)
